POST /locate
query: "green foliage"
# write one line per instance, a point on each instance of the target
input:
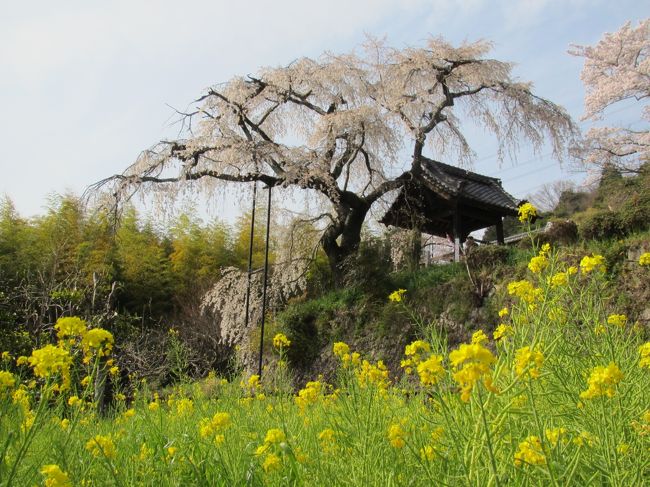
(572, 202)
(311, 324)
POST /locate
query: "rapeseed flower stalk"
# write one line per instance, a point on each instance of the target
(592, 263)
(644, 259)
(530, 452)
(472, 363)
(528, 362)
(280, 341)
(527, 213)
(70, 327)
(602, 382)
(397, 296)
(55, 477)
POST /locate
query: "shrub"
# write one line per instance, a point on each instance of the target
(602, 224)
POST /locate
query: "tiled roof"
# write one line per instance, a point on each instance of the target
(458, 182)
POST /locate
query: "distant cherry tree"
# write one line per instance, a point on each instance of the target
(616, 69)
(349, 129)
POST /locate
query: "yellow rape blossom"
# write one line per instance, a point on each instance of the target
(397, 296)
(416, 349)
(431, 370)
(479, 337)
(592, 263)
(309, 395)
(340, 349)
(280, 341)
(274, 436)
(502, 331)
(528, 361)
(376, 374)
(211, 427)
(617, 320)
(530, 452)
(527, 212)
(537, 264)
(97, 340)
(472, 363)
(396, 436)
(555, 435)
(559, 279)
(101, 445)
(272, 463)
(644, 352)
(585, 438)
(51, 360)
(327, 440)
(644, 259)
(70, 327)
(503, 312)
(55, 477)
(602, 381)
(7, 380)
(525, 291)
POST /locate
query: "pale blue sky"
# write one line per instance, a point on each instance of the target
(84, 85)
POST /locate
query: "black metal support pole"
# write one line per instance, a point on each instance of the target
(250, 259)
(266, 274)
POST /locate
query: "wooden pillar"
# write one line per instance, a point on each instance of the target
(456, 234)
(500, 239)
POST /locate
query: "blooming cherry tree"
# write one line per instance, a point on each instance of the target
(340, 126)
(616, 69)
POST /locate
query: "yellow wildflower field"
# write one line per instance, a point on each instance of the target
(557, 393)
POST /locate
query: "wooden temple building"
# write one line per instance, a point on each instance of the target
(451, 202)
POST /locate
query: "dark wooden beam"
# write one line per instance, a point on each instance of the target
(457, 235)
(500, 239)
